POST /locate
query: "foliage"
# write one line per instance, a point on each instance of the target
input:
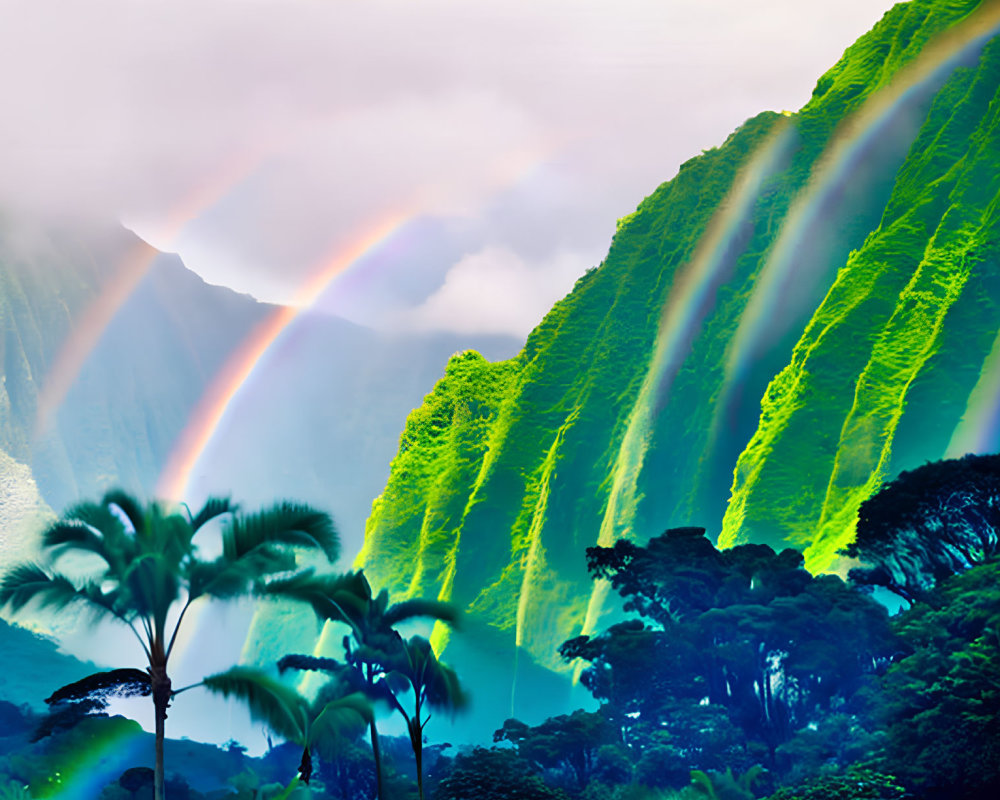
(321, 723)
(494, 775)
(574, 741)
(90, 695)
(416, 669)
(927, 524)
(867, 372)
(742, 637)
(838, 740)
(726, 785)
(939, 704)
(377, 660)
(148, 564)
(855, 784)
(348, 773)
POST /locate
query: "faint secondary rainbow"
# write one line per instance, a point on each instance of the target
(979, 429)
(212, 406)
(132, 266)
(833, 170)
(687, 303)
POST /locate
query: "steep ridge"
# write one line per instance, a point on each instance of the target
(839, 263)
(135, 391)
(152, 357)
(923, 285)
(46, 280)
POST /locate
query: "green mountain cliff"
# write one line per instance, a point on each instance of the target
(841, 263)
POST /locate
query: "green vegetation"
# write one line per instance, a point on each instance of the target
(741, 677)
(883, 207)
(309, 724)
(379, 663)
(927, 525)
(939, 706)
(745, 648)
(849, 308)
(144, 563)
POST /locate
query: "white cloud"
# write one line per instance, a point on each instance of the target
(495, 291)
(277, 129)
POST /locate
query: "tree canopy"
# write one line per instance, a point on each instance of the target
(742, 647)
(929, 523)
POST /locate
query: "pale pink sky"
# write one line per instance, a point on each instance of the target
(256, 137)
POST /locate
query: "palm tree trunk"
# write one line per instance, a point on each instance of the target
(378, 761)
(161, 699)
(417, 742)
(376, 753)
(418, 754)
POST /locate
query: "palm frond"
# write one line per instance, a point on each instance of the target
(100, 602)
(98, 516)
(111, 541)
(309, 663)
(334, 597)
(444, 692)
(214, 507)
(25, 583)
(129, 506)
(410, 609)
(152, 584)
(219, 578)
(436, 682)
(279, 707)
(76, 534)
(170, 535)
(291, 524)
(338, 720)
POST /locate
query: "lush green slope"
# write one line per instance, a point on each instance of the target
(840, 264)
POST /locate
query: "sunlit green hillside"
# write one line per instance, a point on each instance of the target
(839, 263)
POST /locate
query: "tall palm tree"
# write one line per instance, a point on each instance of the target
(335, 714)
(151, 570)
(434, 685)
(349, 599)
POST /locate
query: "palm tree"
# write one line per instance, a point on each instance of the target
(371, 619)
(150, 568)
(334, 714)
(410, 666)
(433, 685)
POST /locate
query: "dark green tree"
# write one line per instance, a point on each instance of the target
(494, 775)
(940, 704)
(928, 523)
(569, 740)
(746, 630)
(150, 570)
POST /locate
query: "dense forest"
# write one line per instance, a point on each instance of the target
(735, 674)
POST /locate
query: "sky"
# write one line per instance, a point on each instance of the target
(496, 142)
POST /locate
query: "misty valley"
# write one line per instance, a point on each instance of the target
(724, 525)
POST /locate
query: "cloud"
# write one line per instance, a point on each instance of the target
(254, 137)
(495, 291)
